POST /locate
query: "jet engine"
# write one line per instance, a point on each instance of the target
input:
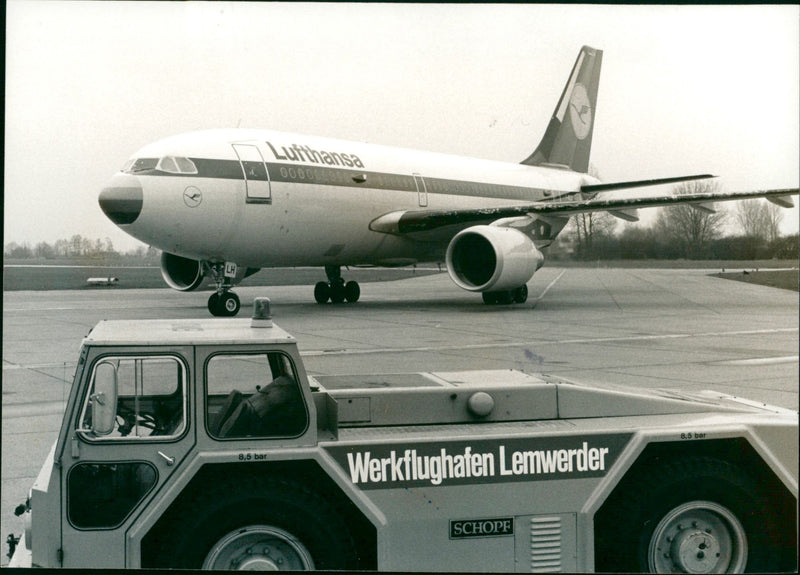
(182, 274)
(492, 259)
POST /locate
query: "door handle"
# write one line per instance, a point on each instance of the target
(170, 460)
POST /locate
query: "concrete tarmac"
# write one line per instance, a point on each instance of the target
(677, 329)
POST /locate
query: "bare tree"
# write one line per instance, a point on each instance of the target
(759, 219)
(592, 226)
(691, 226)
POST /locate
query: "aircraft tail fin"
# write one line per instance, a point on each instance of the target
(568, 138)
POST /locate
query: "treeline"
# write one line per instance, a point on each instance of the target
(748, 230)
(75, 247)
(646, 243)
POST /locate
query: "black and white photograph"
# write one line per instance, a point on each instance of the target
(400, 287)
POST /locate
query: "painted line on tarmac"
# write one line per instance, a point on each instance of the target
(80, 267)
(31, 409)
(760, 361)
(13, 366)
(547, 289)
(324, 352)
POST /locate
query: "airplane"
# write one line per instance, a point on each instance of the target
(221, 204)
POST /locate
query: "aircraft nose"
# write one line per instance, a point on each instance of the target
(121, 199)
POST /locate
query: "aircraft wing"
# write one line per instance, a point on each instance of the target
(415, 221)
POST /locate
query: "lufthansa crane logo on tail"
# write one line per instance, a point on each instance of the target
(580, 111)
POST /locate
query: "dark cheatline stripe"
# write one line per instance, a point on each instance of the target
(225, 169)
(305, 174)
(349, 177)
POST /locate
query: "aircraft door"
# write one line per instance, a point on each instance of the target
(255, 174)
(422, 191)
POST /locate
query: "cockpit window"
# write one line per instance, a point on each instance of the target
(168, 164)
(176, 165)
(140, 165)
(186, 166)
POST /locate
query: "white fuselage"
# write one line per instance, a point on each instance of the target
(321, 194)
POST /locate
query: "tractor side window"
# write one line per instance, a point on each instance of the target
(253, 395)
(135, 397)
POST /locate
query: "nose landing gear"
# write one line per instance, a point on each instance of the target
(335, 289)
(223, 302)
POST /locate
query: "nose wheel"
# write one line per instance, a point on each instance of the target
(335, 289)
(226, 304)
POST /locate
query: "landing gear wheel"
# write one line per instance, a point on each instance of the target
(224, 305)
(352, 291)
(336, 289)
(229, 304)
(695, 515)
(498, 297)
(276, 525)
(337, 293)
(213, 305)
(505, 297)
(322, 292)
(521, 294)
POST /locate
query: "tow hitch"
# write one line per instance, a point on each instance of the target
(12, 544)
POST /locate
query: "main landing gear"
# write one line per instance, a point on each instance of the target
(518, 295)
(223, 302)
(335, 289)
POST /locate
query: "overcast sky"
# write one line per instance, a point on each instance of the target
(683, 89)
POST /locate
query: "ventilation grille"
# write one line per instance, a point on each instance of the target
(545, 544)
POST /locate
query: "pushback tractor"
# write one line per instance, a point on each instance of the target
(204, 444)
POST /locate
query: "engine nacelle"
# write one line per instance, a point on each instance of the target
(492, 258)
(182, 274)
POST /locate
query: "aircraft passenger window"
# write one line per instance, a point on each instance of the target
(150, 399)
(254, 395)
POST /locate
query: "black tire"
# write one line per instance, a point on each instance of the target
(322, 292)
(352, 291)
(504, 297)
(489, 297)
(337, 293)
(697, 513)
(214, 305)
(229, 304)
(521, 294)
(295, 529)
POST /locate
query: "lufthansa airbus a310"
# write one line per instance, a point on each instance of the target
(221, 204)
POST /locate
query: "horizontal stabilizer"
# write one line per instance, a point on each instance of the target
(627, 215)
(704, 207)
(782, 201)
(595, 188)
